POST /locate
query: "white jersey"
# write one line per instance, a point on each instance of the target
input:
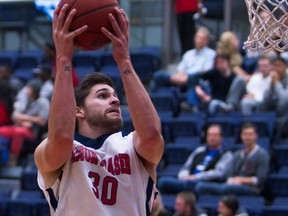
(108, 179)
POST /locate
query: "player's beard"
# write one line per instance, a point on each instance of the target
(111, 125)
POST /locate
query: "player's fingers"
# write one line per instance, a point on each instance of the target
(108, 34)
(69, 19)
(125, 23)
(55, 17)
(61, 16)
(78, 31)
(114, 24)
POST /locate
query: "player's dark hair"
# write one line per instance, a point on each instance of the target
(83, 89)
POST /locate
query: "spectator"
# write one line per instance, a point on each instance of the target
(250, 167)
(6, 75)
(50, 58)
(185, 9)
(229, 206)
(197, 60)
(226, 88)
(185, 205)
(229, 45)
(27, 123)
(276, 97)
(43, 74)
(258, 84)
(206, 163)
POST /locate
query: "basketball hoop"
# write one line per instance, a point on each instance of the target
(268, 25)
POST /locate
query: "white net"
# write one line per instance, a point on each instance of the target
(269, 25)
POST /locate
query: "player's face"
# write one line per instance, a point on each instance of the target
(102, 108)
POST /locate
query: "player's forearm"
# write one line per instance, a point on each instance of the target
(142, 111)
(63, 105)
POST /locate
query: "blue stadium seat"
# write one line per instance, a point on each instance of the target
(209, 203)
(29, 180)
(190, 125)
(42, 207)
(275, 210)
(228, 143)
(264, 121)
(281, 151)
(24, 74)
(253, 204)
(168, 201)
(163, 102)
(279, 184)
(29, 195)
(83, 60)
(229, 123)
(177, 153)
(20, 208)
(83, 71)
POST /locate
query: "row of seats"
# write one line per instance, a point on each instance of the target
(146, 60)
(192, 123)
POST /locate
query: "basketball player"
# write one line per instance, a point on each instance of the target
(98, 171)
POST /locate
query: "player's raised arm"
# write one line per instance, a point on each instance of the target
(52, 153)
(148, 140)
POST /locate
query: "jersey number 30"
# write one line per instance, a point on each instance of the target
(109, 188)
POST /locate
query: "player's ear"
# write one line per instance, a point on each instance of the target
(79, 112)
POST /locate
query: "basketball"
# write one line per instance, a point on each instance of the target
(93, 13)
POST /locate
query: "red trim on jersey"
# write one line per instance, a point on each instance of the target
(183, 6)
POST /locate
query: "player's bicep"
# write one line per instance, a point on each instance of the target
(50, 157)
(149, 150)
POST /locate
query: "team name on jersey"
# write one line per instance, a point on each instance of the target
(116, 165)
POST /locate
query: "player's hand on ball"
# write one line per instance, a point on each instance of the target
(63, 38)
(120, 38)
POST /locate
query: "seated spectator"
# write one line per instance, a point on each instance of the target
(185, 205)
(276, 97)
(229, 45)
(6, 75)
(27, 123)
(207, 163)
(43, 74)
(249, 170)
(229, 206)
(226, 88)
(50, 58)
(197, 60)
(258, 84)
(6, 102)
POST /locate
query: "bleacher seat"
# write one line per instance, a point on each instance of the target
(83, 71)
(279, 184)
(281, 151)
(229, 123)
(168, 201)
(264, 121)
(20, 208)
(275, 210)
(42, 207)
(29, 180)
(190, 125)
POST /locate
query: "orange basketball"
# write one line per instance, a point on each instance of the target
(93, 13)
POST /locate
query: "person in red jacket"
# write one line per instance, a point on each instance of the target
(185, 9)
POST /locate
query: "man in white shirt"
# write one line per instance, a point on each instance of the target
(197, 60)
(258, 84)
